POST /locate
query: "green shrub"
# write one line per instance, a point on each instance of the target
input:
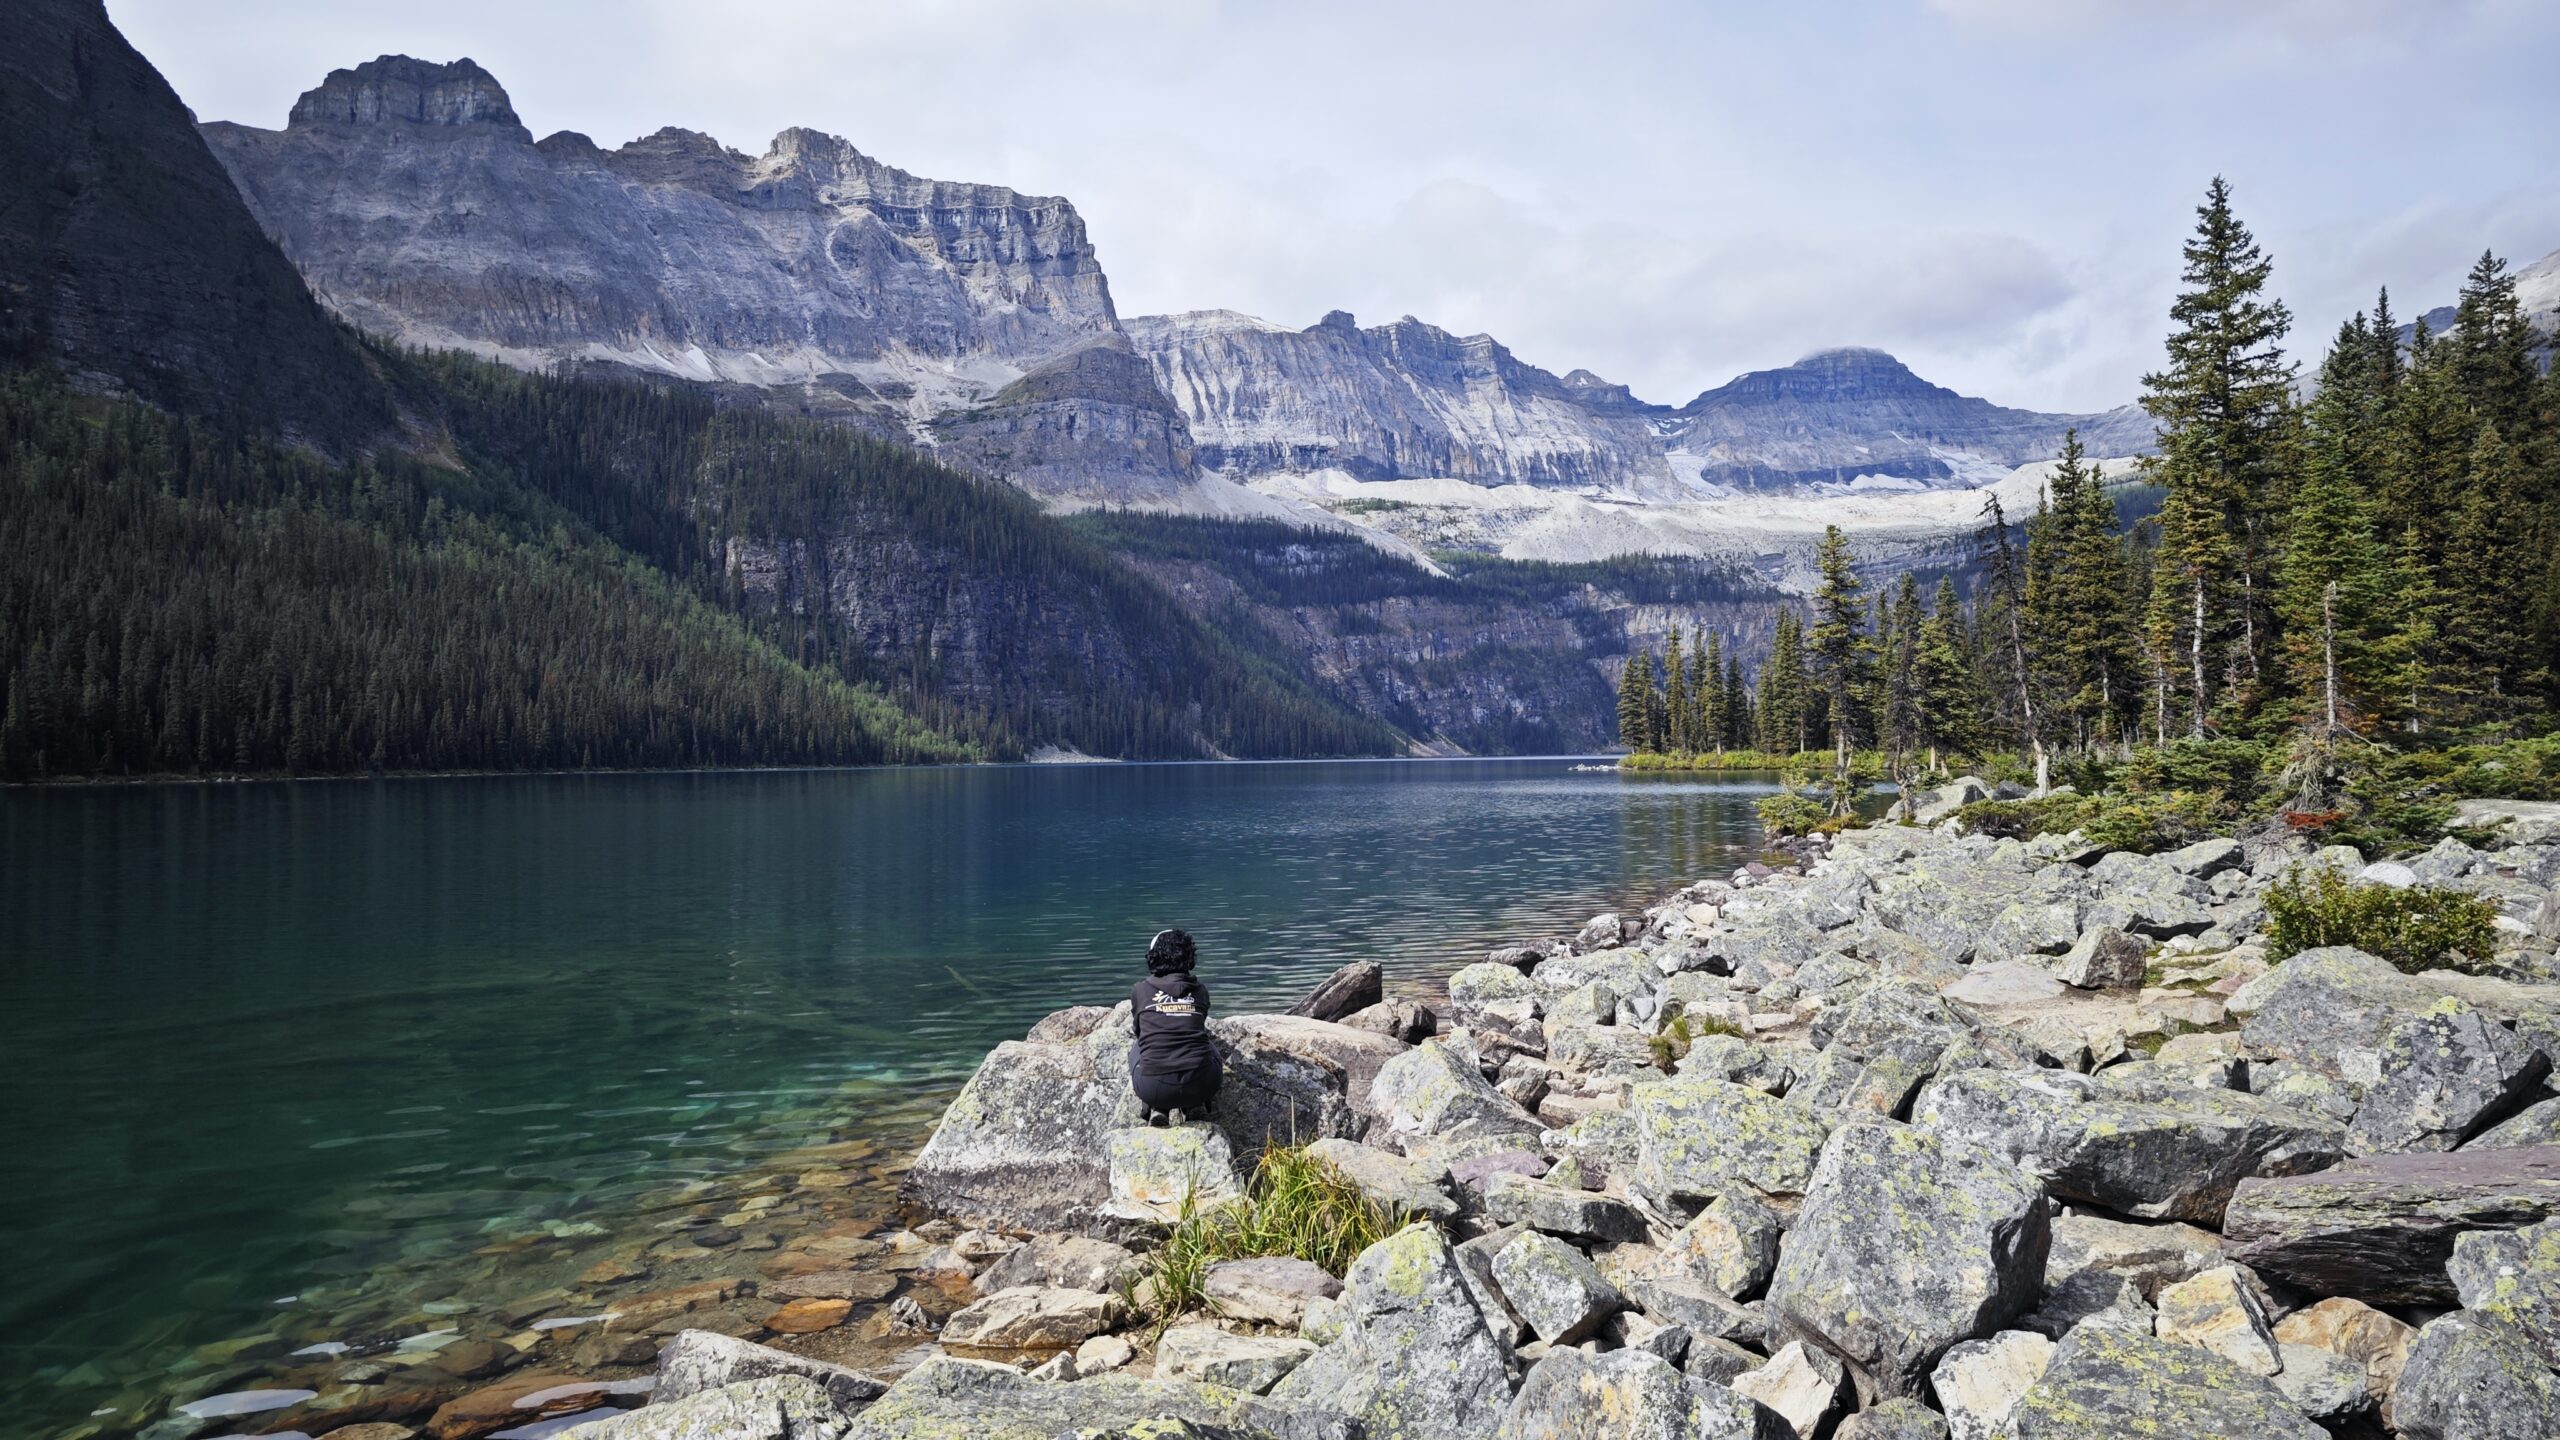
(2022, 819)
(2143, 823)
(1790, 814)
(2414, 929)
(1297, 1205)
(2223, 767)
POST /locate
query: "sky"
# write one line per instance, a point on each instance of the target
(1665, 192)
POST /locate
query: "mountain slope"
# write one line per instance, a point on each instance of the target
(126, 256)
(1391, 402)
(419, 206)
(1837, 415)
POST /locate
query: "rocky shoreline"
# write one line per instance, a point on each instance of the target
(1924, 1135)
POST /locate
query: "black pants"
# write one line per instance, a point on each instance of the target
(1187, 1090)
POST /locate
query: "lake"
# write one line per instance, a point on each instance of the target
(262, 1040)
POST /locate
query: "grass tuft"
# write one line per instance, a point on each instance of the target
(1297, 1205)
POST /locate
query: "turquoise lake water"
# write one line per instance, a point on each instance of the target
(246, 1029)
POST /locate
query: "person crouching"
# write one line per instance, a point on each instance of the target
(1173, 1067)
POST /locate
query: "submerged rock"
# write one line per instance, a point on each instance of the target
(1908, 1243)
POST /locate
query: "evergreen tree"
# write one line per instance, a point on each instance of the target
(1943, 679)
(1783, 706)
(2410, 657)
(2329, 583)
(1675, 700)
(2005, 580)
(2491, 352)
(1901, 714)
(1838, 649)
(2078, 598)
(1706, 670)
(2221, 403)
(1736, 732)
(2487, 593)
(1635, 701)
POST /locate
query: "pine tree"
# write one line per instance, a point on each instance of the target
(1675, 700)
(2487, 593)
(2221, 404)
(1943, 678)
(1783, 707)
(2492, 351)
(1635, 700)
(2329, 583)
(1736, 733)
(2410, 656)
(2006, 580)
(1704, 671)
(1901, 713)
(1838, 648)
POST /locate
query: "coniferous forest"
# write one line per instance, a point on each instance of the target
(2341, 563)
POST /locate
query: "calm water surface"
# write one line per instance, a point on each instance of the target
(253, 1036)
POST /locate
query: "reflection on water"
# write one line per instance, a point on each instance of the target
(262, 1038)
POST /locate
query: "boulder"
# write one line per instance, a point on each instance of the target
(2471, 1377)
(1625, 972)
(1908, 1242)
(1696, 1137)
(1415, 1360)
(1732, 1245)
(2375, 1343)
(1704, 1311)
(2215, 1311)
(1487, 982)
(2513, 1277)
(2446, 1075)
(2518, 822)
(1430, 1093)
(1588, 1053)
(2007, 982)
(1267, 1289)
(1250, 1363)
(1402, 1020)
(1073, 1262)
(2103, 959)
(2149, 1255)
(777, 1407)
(1035, 1317)
(1553, 1288)
(2108, 1384)
(1803, 1387)
(947, 1396)
(2175, 1153)
(2090, 1297)
(1910, 1019)
(2535, 1124)
(2381, 1229)
(1980, 1382)
(1765, 1068)
(2205, 859)
(1895, 1419)
(2334, 1009)
(2325, 1387)
(1935, 805)
(1841, 1088)
(1066, 1027)
(1413, 1188)
(1289, 1080)
(1347, 991)
(1630, 1395)
(698, 1360)
(1021, 1146)
(1557, 1210)
(1162, 1174)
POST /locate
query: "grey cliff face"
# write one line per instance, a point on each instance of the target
(416, 204)
(1392, 402)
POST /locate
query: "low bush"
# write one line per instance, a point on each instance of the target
(1297, 1205)
(2415, 928)
(2146, 824)
(1791, 815)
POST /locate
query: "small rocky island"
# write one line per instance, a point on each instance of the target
(1925, 1134)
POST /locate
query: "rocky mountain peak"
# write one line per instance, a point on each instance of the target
(400, 89)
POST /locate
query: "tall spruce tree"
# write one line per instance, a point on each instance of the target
(1943, 676)
(1706, 673)
(1675, 700)
(2005, 582)
(2221, 403)
(2492, 353)
(1736, 733)
(1635, 700)
(2331, 579)
(1838, 647)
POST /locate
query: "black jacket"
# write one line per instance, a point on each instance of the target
(1172, 1014)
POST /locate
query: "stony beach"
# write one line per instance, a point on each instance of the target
(1917, 1134)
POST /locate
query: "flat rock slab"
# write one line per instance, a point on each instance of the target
(2108, 1385)
(1250, 1363)
(2009, 982)
(1559, 1210)
(1034, 1317)
(1267, 1290)
(946, 1396)
(2381, 1229)
(697, 1360)
(779, 1407)
(1413, 1188)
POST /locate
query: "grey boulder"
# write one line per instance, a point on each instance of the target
(2473, 1377)
(2107, 1384)
(2447, 1073)
(1908, 1242)
(1346, 992)
(1630, 1395)
(1554, 1288)
(698, 1360)
(2167, 1153)
(2381, 1229)
(1022, 1144)
(778, 1407)
(1416, 1360)
(1696, 1137)
(1431, 1093)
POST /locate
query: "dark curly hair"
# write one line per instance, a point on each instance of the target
(1171, 953)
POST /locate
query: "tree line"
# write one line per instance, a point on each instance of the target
(2379, 557)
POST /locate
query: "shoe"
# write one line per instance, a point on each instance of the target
(1156, 1118)
(1177, 1117)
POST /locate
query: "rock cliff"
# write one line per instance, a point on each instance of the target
(420, 207)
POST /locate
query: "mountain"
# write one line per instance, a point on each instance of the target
(1410, 401)
(1838, 415)
(418, 205)
(1392, 402)
(126, 257)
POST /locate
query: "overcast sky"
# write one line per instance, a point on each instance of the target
(1667, 193)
